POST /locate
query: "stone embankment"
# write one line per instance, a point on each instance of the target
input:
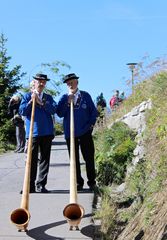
(135, 119)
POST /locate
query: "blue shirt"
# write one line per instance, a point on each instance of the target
(43, 120)
(85, 114)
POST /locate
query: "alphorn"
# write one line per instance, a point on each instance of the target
(21, 216)
(73, 212)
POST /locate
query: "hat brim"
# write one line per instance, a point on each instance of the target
(70, 78)
(46, 79)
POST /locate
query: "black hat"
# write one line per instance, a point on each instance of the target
(40, 76)
(69, 77)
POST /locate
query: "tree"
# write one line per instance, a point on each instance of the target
(101, 105)
(55, 71)
(9, 84)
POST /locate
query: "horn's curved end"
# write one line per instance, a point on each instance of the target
(20, 217)
(73, 212)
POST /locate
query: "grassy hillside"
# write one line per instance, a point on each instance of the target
(140, 213)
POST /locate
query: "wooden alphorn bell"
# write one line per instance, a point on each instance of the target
(21, 216)
(73, 212)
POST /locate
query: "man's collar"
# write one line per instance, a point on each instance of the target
(77, 92)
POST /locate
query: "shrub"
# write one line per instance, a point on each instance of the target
(115, 152)
(107, 214)
(59, 128)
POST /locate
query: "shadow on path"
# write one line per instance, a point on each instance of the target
(58, 143)
(63, 164)
(39, 232)
(59, 164)
(66, 191)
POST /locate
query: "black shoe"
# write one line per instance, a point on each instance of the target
(41, 189)
(93, 187)
(16, 150)
(21, 150)
(79, 187)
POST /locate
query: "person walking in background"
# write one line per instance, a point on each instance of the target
(85, 114)
(43, 132)
(114, 101)
(13, 110)
(121, 97)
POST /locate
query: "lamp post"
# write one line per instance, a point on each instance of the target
(132, 67)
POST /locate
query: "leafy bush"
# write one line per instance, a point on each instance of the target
(114, 151)
(59, 128)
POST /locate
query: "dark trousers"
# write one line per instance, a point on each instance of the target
(20, 137)
(86, 145)
(42, 145)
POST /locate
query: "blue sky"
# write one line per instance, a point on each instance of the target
(95, 37)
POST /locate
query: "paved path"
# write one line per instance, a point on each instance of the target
(47, 221)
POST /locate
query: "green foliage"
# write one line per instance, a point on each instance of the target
(115, 152)
(54, 71)
(156, 183)
(162, 131)
(107, 214)
(104, 171)
(136, 181)
(129, 213)
(100, 104)
(59, 128)
(149, 209)
(159, 87)
(9, 84)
